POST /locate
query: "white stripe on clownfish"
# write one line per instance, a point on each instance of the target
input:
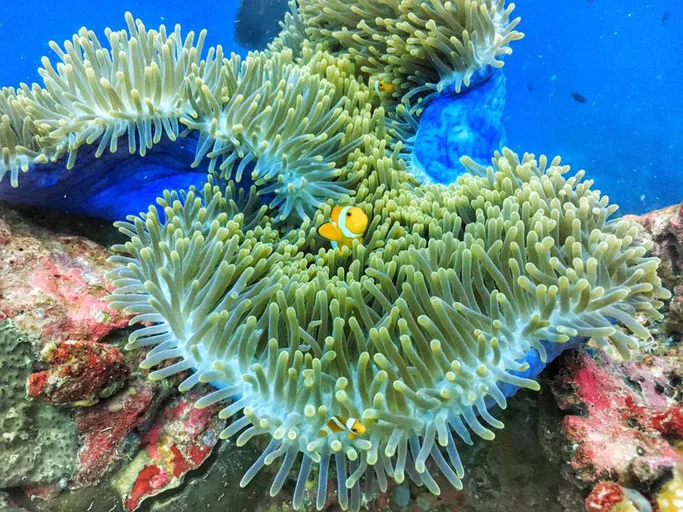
(341, 224)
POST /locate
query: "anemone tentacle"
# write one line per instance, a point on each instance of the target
(17, 137)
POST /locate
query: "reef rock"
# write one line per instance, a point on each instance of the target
(105, 426)
(79, 373)
(53, 285)
(180, 440)
(38, 442)
(665, 229)
(624, 422)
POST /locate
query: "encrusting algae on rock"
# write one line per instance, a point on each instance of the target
(456, 297)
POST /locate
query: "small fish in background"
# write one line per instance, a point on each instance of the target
(341, 424)
(346, 224)
(381, 86)
(578, 97)
(530, 87)
(666, 17)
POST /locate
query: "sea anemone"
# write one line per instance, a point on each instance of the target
(416, 333)
(420, 46)
(292, 128)
(289, 127)
(290, 120)
(17, 138)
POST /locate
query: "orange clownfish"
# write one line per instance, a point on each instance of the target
(380, 85)
(342, 424)
(346, 224)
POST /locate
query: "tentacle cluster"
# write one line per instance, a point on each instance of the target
(293, 117)
(291, 124)
(133, 89)
(18, 146)
(295, 126)
(415, 333)
(417, 45)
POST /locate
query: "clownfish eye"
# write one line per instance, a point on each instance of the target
(348, 214)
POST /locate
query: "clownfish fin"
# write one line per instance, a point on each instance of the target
(330, 231)
(336, 211)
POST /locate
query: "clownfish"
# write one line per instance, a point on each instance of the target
(380, 85)
(346, 224)
(342, 424)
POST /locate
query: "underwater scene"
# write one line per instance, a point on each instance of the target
(363, 255)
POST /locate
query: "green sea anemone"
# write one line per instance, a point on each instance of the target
(417, 45)
(290, 119)
(290, 126)
(296, 127)
(135, 88)
(414, 333)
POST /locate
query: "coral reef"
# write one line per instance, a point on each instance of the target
(38, 441)
(664, 228)
(509, 472)
(53, 286)
(78, 372)
(623, 429)
(612, 497)
(105, 426)
(456, 300)
(7, 506)
(180, 440)
(633, 407)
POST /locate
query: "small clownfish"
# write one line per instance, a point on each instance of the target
(342, 424)
(380, 85)
(346, 224)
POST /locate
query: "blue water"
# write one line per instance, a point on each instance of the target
(27, 27)
(623, 57)
(596, 81)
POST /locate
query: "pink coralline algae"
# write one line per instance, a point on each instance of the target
(78, 373)
(180, 440)
(54, 285)
(612, 497)
(104, 426)
(628, 421)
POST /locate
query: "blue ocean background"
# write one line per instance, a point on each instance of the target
(596, 81)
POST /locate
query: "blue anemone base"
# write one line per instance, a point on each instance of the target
(109, 187)
(457, 125)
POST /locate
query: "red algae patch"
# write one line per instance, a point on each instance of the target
(104, 426)
(79, 373)
(180, 440)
